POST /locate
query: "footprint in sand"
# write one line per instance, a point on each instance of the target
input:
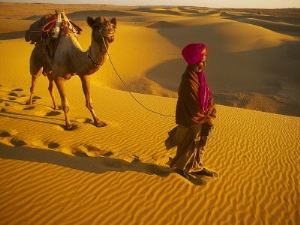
(53, 113)
(17, 142)
(13, 94)
(29, 107)
(84, 120)
(88, 150)
(18, 89)
(35, 98)
(79, 153)
(4, 134)
(98, 151)
(87, 120)
(53, 145)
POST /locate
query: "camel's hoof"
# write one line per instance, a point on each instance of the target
(28, 103)
(68, 127)
(99, 123)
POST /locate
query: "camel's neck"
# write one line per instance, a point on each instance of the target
(98, 52)
(80, 62)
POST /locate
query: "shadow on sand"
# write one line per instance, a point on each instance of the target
(97, 165)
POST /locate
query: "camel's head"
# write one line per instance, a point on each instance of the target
(102, 27)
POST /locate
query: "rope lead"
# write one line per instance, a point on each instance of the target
(127, 89)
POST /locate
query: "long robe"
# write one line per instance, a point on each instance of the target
(189, 111)
(190, 118)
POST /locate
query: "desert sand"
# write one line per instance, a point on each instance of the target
(119, 174)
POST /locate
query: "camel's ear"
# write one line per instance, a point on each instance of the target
(90, 21)
(114, 21)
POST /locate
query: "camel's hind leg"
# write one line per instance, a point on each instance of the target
(34, 77)
(85, 80)
(60, 84)
(50, 88)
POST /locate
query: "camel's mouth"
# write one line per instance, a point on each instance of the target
(109, 36)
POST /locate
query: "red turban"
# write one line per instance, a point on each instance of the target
(194, 53)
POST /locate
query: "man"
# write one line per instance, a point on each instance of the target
(194, 113)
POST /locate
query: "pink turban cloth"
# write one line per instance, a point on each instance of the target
(194, 53)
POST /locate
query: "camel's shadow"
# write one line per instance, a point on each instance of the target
(97, 165)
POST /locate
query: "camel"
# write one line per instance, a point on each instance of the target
(69, 59)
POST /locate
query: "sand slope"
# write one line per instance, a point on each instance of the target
(119, 174)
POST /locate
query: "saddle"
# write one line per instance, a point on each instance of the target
(47, 31)
(50, 25)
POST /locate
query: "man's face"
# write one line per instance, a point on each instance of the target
(201, 64)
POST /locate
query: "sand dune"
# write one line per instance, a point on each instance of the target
(119, 174)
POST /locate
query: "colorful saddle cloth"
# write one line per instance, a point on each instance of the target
(50, 25)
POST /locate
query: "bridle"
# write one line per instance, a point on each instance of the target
(89, 52)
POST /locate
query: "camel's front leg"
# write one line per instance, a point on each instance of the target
(60, 84)
(50, 88)
(85, 80)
